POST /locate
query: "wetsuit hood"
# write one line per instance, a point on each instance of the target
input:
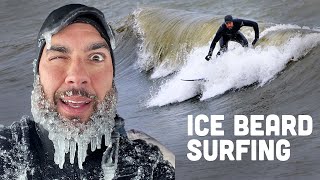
(66, 15)
(228, 18)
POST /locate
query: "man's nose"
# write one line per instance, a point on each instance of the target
(77, 74)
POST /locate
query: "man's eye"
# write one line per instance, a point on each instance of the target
(56, 58)
(97, 57)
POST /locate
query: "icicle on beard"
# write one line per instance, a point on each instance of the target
(67, 134)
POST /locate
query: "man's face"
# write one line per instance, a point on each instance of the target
(229, 24)
(76, 71)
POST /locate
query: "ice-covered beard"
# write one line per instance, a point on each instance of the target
(68, 134)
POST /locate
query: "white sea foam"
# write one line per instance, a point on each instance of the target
(279, 27)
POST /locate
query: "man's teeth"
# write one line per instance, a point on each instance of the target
(75, 104)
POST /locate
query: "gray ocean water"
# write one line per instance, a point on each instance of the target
(293, 89)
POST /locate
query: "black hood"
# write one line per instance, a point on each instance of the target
(228, 18)
(66, 15)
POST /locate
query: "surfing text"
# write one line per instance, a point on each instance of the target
(262, 137)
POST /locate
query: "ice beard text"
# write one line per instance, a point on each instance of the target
(260, 127)
(69, 136)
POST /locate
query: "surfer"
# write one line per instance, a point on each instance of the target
(229, 31)
(76, 132)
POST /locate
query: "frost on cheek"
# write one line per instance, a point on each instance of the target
(34, 64)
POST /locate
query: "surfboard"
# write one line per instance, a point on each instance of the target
(200, 79)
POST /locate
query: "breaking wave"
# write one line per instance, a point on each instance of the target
(174, 44)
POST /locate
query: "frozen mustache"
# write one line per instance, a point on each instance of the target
(73, 92)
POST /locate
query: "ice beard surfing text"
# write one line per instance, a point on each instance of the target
(255, 126)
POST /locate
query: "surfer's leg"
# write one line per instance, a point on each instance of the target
(223, 45)
(239, 37)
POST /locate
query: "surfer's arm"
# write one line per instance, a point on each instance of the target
(214, 41)
(254, 25)
(255, 28)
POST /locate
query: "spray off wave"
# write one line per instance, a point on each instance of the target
(239, 67)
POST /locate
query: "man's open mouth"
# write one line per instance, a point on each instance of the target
(74, 103)
(75, 106)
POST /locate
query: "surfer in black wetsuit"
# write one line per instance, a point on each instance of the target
(229, 31)
(75, 132)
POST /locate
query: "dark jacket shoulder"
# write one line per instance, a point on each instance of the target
(137, 158)
(14, 149)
